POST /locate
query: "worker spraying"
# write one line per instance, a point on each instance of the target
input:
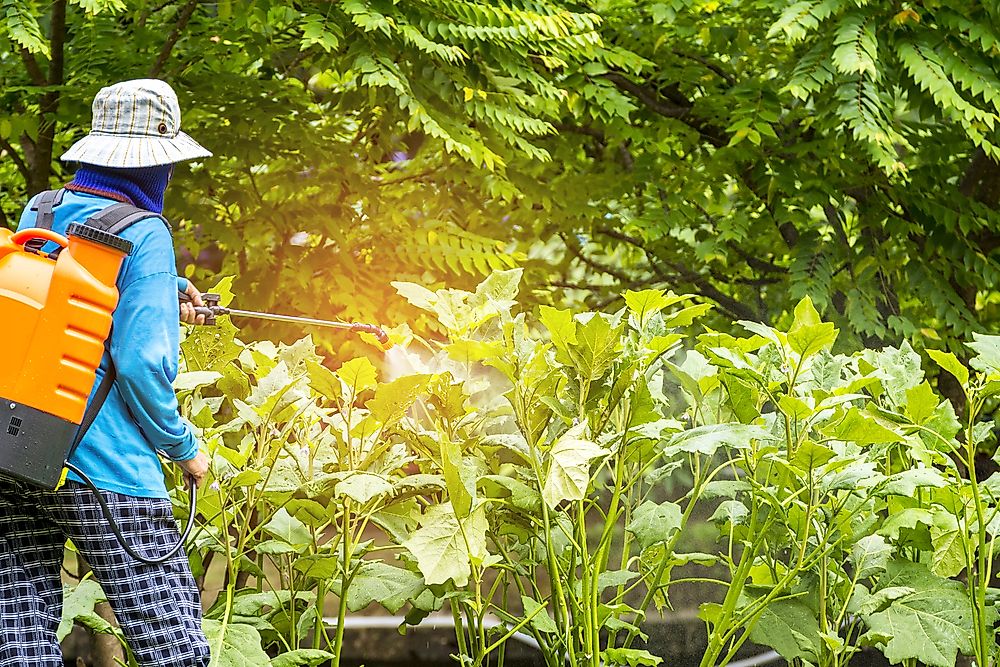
(111, 267)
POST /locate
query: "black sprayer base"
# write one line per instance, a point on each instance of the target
(33, 444)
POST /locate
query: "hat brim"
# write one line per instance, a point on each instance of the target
(129, 152)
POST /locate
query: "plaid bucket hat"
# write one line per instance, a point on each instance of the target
(135, 124)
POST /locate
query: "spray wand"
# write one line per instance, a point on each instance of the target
(211, 310)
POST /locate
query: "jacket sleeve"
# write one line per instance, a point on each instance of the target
(145, 344)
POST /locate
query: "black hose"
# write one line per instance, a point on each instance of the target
(192, 509)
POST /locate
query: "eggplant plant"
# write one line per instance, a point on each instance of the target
(555, 481)
(539, 474)
(858, 520)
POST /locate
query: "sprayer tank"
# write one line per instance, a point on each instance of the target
(58, 315)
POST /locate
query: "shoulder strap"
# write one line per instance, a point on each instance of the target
(118, 217)
(44, 204)
(101, 395)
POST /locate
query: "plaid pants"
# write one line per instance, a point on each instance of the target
(157, 606)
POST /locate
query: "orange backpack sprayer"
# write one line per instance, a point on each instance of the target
(63, 309)
(62, 304)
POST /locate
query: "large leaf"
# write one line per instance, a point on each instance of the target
(78, 604)
(444, 546)
(932, 624)
(194, 379)
(708, 439)
(790, 628)
(654, 523)
(302, 657)
(288, 529)
(377, 581)
(809, 334)
(870, 555)
(234, 644)
(597, 346)
(987, 349)
(862, 428)
(568, 474)
(361, 486)
(393, 399)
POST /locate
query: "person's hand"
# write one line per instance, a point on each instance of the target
(195, 468)
(188, 315)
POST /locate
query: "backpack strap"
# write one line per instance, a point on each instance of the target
(118, 217)
(44, 204)
(97, 402)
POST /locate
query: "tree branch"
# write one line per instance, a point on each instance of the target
(15, 158)
(652, 100)
(647, 96)
(34, 69)
(594, 264)
(168, 46)
(726, 76)
(704, 287)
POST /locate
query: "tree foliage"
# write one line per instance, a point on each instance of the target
(772, 150)
(750, 151)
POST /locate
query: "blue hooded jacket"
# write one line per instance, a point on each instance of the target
(140, 416)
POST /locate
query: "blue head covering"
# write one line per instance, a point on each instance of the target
(144, 186)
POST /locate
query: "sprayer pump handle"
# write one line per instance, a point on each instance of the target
(211, 310)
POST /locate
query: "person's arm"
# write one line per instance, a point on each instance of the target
(144, 347)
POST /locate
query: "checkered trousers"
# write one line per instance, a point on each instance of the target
(157, 606)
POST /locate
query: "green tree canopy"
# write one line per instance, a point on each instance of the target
(749, 151)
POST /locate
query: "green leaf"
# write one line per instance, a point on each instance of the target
(870, 555)
(393, 399)
(633, 657)
(540, 619)
(78, 603)
(561, 326)
(730, 512)
(597, 347)
(288, 529)
(444, 546)
(567, 476)
(708, 439)
(862, 428)
(654, 523)
(809, 334)
(987, 350)
(193, 379)
(811, 455)
(933, 624)
(649, 302)
(361, 486)
(358, 374)
(377, 581)
(921, 401)
(950, 363)
(948, 559)
(460, 494)
(907, 482)
(234, 644)
(790, 628)
(899, 370)
(302, 657)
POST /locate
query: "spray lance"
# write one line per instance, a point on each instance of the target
(211, 310)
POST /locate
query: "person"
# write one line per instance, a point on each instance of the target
(128, 156)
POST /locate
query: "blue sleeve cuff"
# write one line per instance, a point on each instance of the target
(185, 450)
